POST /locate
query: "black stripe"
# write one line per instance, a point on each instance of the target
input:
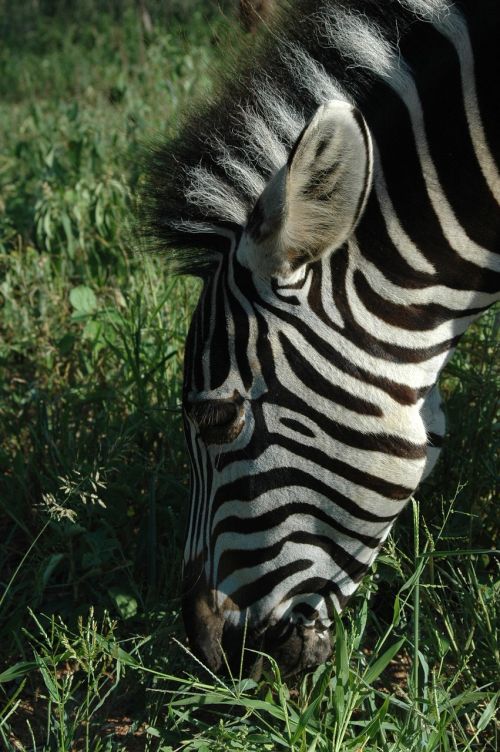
(247, 595)
(242, 330)
(234, 559)
(401, 393)
(413, 317)
(343, 469)
(295, 425)
(318, 586)
(483, 19)
(219, 346)
(354, 331)
(406, 186)
(448, 136)
(305, 371)
(256, 484)
(366, 441)
(315, 295)
(277, 516)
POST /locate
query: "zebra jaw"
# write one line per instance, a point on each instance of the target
(312, 204)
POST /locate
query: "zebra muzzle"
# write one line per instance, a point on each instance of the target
(224, 646)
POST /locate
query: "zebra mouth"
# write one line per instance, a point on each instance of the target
(297, 646)
(294, 646)
(242, 650)
(245, 651)
(225, 646)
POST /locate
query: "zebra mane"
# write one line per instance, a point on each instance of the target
(201, 187)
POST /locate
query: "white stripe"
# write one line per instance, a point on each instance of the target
(399, 420)
(406, 247)
(398, 335)
(380, 465)
(454, 28)
(459, 300)
(363, 43)
(411, 375)
(276, 456)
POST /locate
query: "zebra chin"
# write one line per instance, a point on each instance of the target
(225, 647)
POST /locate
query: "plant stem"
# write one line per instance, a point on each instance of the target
(17, 569)
(416, 601)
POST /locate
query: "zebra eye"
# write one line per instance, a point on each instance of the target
(218, 421)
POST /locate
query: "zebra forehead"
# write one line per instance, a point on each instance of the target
(205, 184)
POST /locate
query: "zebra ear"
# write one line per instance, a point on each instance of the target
(312, 204)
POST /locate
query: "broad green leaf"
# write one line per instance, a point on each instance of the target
(92, 330)
(83, 299)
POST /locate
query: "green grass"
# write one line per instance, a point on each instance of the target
(93, 472)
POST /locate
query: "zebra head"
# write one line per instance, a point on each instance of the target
(296, 452)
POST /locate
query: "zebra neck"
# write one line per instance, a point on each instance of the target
(429, 238)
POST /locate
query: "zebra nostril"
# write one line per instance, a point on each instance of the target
(297, 647)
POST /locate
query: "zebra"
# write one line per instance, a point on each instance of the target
(338, 197)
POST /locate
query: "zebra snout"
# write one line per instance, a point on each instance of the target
(297, 647)
(224, 646)
(294, 646)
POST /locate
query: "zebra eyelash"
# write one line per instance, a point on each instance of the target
(210, 413)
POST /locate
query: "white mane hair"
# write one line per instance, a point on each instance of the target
(207, 181)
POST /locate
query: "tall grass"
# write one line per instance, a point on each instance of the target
(93, 473)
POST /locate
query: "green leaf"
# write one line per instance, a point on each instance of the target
(342, 658)
(396, 611)
(83, 299)
(374, 726)
(487, 713)
(65, 344)
(92, 330)
(375, 669)
(312, 747)
(124, 602)
(66, 223)
(49, 682)
(305, 720)
(16, 671)
(49, 566)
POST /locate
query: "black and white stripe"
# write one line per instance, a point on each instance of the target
(314, 353)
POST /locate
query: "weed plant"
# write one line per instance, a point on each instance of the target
(93, 472)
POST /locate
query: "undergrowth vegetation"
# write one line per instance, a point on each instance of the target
(93, 472)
